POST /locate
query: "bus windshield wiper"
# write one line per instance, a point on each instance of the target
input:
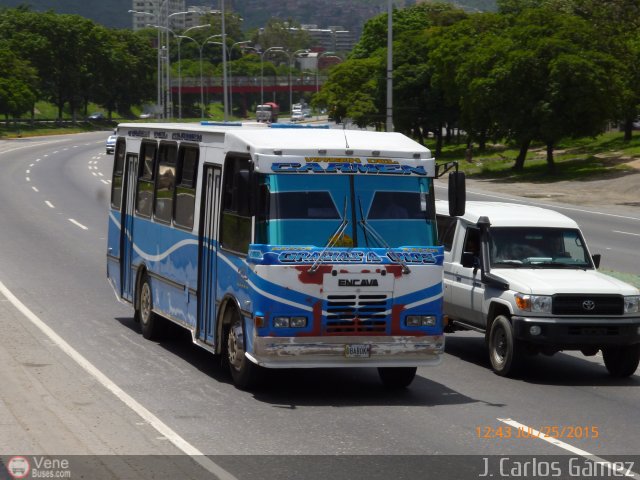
(333, 239)
(380, 239)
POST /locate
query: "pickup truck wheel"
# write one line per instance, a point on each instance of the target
(243, 371)
(397, 377)
(505, 351)
(621, 361)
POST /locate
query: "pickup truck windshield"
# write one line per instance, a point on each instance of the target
(514, 247)
(308, 209)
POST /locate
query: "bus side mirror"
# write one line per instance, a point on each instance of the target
(596, 259)
(457, 194)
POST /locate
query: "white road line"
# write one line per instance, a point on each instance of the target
(546, 205)
(28, 172)
(104, 181)
(129, 401)
(627, 233)
(49, 204)
(31, 165)
(35, 189)
(27, 179)
(78, 224)
(615, 469)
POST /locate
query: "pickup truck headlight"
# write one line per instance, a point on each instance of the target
(632, 304)
(533, 303)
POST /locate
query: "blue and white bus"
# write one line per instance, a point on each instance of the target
(280, 248)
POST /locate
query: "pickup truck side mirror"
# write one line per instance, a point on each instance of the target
(596, 259)
(470, 260)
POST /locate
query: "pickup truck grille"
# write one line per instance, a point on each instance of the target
(356, 314)
(588, 305)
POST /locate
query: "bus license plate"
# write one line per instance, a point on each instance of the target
(357, 351)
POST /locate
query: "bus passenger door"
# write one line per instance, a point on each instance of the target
(126, 231)
(208, 247)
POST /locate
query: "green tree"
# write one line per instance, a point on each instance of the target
(351, 91)
(17, 84)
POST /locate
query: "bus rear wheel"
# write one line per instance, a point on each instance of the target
(243, 371)
(150, 323)
(397, 377)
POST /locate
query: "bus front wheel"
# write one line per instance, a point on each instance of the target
(397, 377)
(243, 371)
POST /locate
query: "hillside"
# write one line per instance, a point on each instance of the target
(351, 14)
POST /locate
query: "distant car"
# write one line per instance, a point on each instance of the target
(146, 115)
(96, 116)
(111, 144)
(297, 116)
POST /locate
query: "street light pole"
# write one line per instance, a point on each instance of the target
(270, 49)
(229, 72)
(180, 37)
(389, 67)
(292, 58)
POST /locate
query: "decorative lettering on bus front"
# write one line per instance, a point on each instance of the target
(348, 168)
(423, 258)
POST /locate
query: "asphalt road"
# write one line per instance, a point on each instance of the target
(171, 398)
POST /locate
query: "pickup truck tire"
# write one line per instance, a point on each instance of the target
(505, 352)
(621, 361)
(397, 377)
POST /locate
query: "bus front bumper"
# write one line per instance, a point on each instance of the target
(344, 351)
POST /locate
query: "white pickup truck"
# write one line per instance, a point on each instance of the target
(524, 277)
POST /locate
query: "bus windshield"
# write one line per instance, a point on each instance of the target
(380, 211)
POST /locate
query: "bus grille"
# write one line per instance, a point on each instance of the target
(588, 305)
(356, 314)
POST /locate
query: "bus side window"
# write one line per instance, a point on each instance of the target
(144, 195)
(165, 182)
(118, 171)
(235, 229)
(185, 193)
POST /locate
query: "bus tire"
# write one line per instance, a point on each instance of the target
(150, 323)
(505, 352)
(244, 372)
(621, 361)
(397, 377)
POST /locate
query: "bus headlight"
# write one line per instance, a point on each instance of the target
(420, 320)
(632, 304)
(533, 303)
(287, 322)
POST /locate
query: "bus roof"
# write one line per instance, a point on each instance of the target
(259, 139)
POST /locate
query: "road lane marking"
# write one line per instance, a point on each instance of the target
(570, 448)
(127, 399)
(552, 206)
(27, 179)
(78, 224)
(49, 204)
(626, 233)
(35, 189)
